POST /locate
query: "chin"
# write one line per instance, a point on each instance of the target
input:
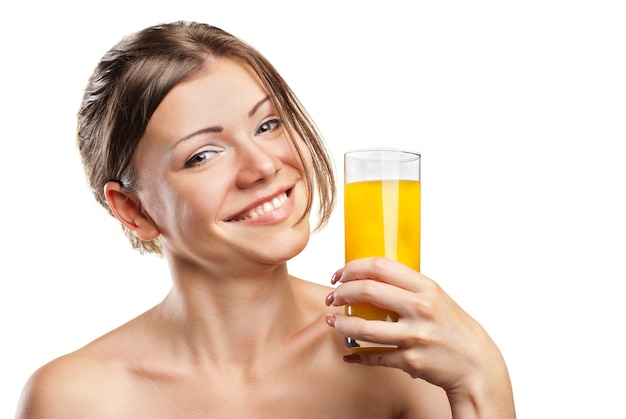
(290, 247)
(298, 249)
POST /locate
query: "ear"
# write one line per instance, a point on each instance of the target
(127, 210)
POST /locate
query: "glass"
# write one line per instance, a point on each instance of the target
(382, 197)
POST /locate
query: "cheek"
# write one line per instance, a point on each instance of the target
(157, 202)
(192, 201)
(304, 163)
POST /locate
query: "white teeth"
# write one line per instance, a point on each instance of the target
(266, 207)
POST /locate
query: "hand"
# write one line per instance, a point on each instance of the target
(437, 341)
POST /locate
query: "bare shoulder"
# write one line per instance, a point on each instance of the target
(67, 387)
(311, 298)
(419, 398)
(84, 383)
(391, 393)
(310, 292)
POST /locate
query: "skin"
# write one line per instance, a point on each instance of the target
(237, 336)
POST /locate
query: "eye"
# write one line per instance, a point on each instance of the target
(268, 125)
(200, 158)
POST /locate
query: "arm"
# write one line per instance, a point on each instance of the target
(437, 341)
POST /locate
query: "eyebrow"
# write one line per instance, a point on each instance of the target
(257, 106)
(218, 128)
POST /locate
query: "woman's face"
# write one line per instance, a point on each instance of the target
(218, 174)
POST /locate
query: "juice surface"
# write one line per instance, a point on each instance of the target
(382, 218)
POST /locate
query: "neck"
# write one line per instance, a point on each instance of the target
(231, 317)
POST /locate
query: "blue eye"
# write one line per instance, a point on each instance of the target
(200, 158)
(268, 126)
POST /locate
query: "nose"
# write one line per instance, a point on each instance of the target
(257, 164)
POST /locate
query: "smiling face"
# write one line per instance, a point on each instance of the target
(218, 174)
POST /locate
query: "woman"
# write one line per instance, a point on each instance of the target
(193, 141)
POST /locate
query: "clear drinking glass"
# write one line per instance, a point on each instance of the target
(382, 197)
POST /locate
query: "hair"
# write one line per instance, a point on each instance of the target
(132, 79)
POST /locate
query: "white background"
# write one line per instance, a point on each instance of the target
(518, 109)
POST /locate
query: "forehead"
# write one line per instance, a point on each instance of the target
(224, 89)
(225, 82)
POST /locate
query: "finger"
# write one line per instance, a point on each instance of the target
(376, 331)
(407, 304)
(385, 270)
(380, 294)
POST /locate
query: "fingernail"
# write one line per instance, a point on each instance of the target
(330, 298)
(330, 320)
(336, 277)
(352, 359)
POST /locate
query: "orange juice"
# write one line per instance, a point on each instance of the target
(382, 218)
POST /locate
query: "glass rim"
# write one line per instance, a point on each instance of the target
(370, 153)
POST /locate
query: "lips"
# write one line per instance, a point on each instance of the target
(263, 208)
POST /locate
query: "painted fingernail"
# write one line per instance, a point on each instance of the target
(330, 320)
(330, 298)
(336, 277)
(352, 359)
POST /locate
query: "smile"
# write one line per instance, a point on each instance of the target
(264, 208)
